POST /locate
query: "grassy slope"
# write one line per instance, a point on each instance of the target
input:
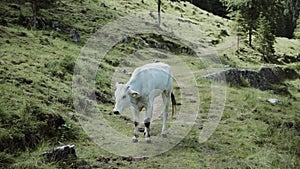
(36, 71)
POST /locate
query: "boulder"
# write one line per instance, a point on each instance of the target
(262, 79)
(61, 153)
(277, 74)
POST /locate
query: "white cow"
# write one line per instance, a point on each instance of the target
(146, 83)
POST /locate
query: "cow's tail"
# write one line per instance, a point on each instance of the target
(173, 100)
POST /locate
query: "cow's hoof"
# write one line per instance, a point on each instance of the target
(164, 135)
(148, 141)
(134, 139)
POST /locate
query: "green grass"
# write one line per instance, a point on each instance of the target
(36, 71)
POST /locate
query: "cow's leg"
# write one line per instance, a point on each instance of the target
(147, 132)
(166, 100)
(136, 119)
(147, 121)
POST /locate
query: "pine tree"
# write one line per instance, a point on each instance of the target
(36, 5)
(265, 39)
(249, 10)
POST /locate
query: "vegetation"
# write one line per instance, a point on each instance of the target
(36, 103)
(265, 39)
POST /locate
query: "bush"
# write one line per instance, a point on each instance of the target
(5, 160)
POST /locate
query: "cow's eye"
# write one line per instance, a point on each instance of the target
(124, 97)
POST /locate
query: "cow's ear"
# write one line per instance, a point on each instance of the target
(134, 94)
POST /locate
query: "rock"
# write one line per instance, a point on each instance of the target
(273, 101)
(56, 25)
(61, 153)
(277, 74)
(272, 74)
(262, 79)
(238, 77)
(255, 79)
(74, 35)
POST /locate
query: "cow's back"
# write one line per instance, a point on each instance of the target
(150, 77)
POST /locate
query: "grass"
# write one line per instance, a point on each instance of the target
(36, 70)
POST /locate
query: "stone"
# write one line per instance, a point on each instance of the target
(74, 35)
(262, 79)
(273, 101)
(61, 153)
(56, 25)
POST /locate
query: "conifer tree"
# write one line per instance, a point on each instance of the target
(265, 39)
(37, 5)
(249, 11)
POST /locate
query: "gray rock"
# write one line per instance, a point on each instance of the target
(74, 35)
(56, 25)
(261, 79)
(61, 153)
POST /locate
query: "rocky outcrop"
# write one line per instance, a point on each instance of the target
(262, 79)
(61, 153)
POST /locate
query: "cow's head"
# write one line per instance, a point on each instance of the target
(123, 94)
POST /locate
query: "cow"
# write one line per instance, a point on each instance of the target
(146, 83)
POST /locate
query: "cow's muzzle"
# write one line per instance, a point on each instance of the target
(116, 112)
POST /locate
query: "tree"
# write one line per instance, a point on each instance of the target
(249, 11)
(158, 10)
(36, 5)
(289, 16)
(265, 39)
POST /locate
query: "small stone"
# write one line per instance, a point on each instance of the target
(74, 35)
(273, 101)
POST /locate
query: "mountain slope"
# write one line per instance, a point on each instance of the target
(36, 104)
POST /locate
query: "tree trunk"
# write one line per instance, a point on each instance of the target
(34, 13)
(158, 10)
(250, 36)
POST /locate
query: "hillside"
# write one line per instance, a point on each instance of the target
(49, 99)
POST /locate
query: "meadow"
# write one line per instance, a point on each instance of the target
(39, 110)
